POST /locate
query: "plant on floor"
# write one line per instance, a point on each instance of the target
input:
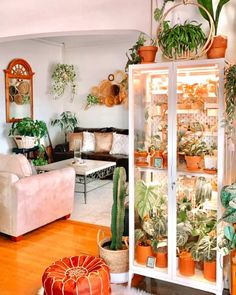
(62, 76)
(230, 100)
(67, 121)
(118, 208)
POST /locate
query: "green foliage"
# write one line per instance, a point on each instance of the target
(29, 127)
(208, 5)
(67, 121)
(203, 190)
(176, 40)
(145, 197)
(62, 76)
(39, 162)
(193, 147)
(118, 208)
(92, 100)
(158, 12)
(132, 54)
(230, 100)
(205, 248)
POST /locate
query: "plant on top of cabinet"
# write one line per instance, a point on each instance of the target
(177, 40)
(63, 75)
(219, 44)
(230, 100)
(67, 121)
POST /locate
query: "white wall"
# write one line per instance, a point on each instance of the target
(94, 64)
(40, 56)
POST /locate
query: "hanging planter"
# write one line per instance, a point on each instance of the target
(63, 76)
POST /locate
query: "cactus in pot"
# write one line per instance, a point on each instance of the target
(118, 208)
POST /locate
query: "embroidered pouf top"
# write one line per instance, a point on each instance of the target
(77, 275)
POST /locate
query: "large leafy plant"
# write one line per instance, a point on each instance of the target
(67, 121)
(193, 147)
(205, 248)
(177, 40)
(208, 5)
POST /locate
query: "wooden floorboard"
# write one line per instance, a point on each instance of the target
(23, 263)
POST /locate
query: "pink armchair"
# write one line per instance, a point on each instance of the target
(30, 201)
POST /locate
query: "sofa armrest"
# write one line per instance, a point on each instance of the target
(7, 179)
(63, 147)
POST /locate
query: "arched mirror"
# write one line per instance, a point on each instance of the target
(19, 90)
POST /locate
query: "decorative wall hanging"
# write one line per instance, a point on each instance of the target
(19, 90)
(64, 75)
(110, 92)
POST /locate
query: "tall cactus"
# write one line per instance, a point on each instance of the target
(118, 208)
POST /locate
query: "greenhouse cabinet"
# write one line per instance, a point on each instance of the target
(176, 171)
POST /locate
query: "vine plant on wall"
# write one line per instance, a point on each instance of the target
(64, 75)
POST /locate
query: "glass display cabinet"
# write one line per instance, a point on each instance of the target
(176, 171)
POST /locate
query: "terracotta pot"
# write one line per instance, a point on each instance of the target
(193, 162)
(218, 47)
(142, 253)
(233, 271)
(165, 160)
(147, 54)
(162, 259)
(186, 264)
(209, 270)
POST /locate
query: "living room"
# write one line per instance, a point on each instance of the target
(94, 38)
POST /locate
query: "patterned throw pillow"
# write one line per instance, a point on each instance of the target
(120, 144)
(103, 142)
(72, 137)
(88, 142)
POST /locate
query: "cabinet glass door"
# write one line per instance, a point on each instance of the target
(198, 147)
(150, 167)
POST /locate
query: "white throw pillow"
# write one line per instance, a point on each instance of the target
(88, 142)
(120, 144)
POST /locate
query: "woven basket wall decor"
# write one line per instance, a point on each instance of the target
(186, 55)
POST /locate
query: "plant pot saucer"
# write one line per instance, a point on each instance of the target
(210, 171)
(194, 170)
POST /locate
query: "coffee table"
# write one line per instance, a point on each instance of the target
(87, 172)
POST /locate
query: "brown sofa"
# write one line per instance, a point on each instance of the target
(61, 151)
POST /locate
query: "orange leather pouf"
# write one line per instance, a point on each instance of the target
(77, 275)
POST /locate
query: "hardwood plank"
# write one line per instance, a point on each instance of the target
(23, 263)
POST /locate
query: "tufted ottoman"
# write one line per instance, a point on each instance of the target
(77, 275)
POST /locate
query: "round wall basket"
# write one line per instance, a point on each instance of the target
(187, 54)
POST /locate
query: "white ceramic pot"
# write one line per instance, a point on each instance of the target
(210, 162)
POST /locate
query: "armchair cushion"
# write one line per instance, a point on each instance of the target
(16, 164)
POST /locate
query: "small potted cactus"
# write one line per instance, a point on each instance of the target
(115, 251)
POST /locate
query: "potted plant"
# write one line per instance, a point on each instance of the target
(219, 44)
(139, 53)
(193, 149)
(159, 241)
(143, 247)
(67, 122)
(181, 40)
(28, 132)
(114, 251)
(230, 100)
(210, 158)
(62, 76)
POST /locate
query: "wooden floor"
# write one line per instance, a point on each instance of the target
(23, 263)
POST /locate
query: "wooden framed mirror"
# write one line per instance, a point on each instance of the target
(19, 90)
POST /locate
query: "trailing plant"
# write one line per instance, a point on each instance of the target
(40, 160)
(118, 208)
(177, 40)
(92, 100)
(63, 75)
(67, 121)
(208, 5)
(158, 12)
(230, 100)
(132, 54)
(29, 127)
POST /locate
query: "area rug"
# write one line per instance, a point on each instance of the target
(117, 290)
(98, 207)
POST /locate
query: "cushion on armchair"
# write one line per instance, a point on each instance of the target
(16, 164)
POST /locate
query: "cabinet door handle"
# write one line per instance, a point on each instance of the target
(172, 185)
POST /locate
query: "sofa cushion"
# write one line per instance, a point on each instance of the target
(72, 137)
(16, 164)
(103, 141)
(120, 144)
(88, 142)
